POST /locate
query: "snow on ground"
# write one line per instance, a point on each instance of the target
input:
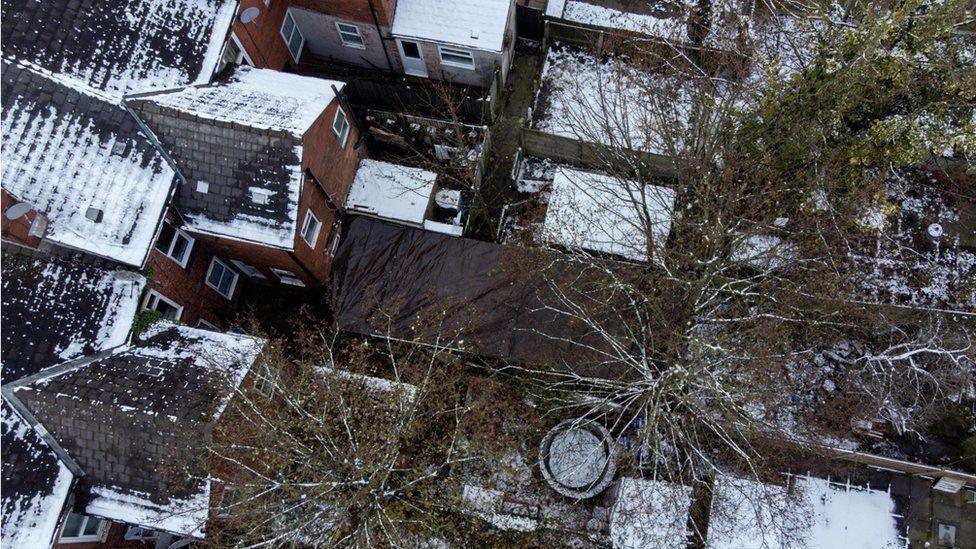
(611, 103)
(606, 214)
(821, 515)
(909, 267)
(478, 24)
(649, 513)
(669, 24)
(257, 98)
(391, 191)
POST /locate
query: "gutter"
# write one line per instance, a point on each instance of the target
(379, 31)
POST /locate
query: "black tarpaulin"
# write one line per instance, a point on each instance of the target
(479, 297)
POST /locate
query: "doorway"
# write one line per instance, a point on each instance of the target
(413, 59)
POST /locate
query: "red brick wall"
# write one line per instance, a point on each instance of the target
(262, 37)
(17, 230)
(333, 165)
(261, 257)
(353, 10)
(187, 286)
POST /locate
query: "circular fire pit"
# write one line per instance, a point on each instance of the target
(577, 460)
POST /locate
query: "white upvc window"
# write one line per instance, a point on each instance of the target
(207, 325)
(288, 277)
(82, 528)
(156, 301)
(138, 533)
(221, 278)
(341, 126)
(266, 380)
(249, 270)
(454, 57)
(350, 36)
(175, 244)
(292, 36)
(310, 229)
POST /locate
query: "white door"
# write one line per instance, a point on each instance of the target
(413, 59)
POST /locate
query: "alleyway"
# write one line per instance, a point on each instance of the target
(497, 190)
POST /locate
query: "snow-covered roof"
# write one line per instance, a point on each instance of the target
(148, 404)
(36, 485)
(391, 191)
(649, 513)
(477, 24)
(122, 46)
(56, 310)
(68, 149)
(819, 514)
(237, 136)
(601, 213)
(611, 103)
(256, 98)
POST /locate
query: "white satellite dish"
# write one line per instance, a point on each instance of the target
(250, 14)
(17, 210)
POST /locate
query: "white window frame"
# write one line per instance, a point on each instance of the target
(458, 52)
(361, 45)
(160, 297)
(288, 277)
(233, 285)
(330, 250)
(294, 29)
(309, 216)
(102, 527)
(172, 244)
(249, 270)
(243, 55)
(266, 380)
(342, 134)
(201, 323)
(260, 196)
(138, 533)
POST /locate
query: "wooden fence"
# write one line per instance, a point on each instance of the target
(590, 155)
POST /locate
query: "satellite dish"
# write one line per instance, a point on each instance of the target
(250, 14)
(17, 210)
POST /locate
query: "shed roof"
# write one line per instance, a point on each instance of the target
(477, 24)
(391, 191)
(121, 46)
(602, 213)
(55, 309)
(69, 149)
(132, 419)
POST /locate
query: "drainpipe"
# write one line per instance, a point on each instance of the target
(383, 39)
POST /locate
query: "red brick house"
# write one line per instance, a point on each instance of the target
(457, 41)
(264, 161)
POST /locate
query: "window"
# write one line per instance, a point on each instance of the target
(138, 533)
(456, 58)
(349, 34)
(293, 37)
(234, 53)
(341, 126)
(207, 325)
(947, 535)
(249, 270)
(288, 277)
(310, 230)
(222, 278)
(174, 244)
(330, 250)
(156, 302)
(79, 528)
(203, 187)
(265, 381)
